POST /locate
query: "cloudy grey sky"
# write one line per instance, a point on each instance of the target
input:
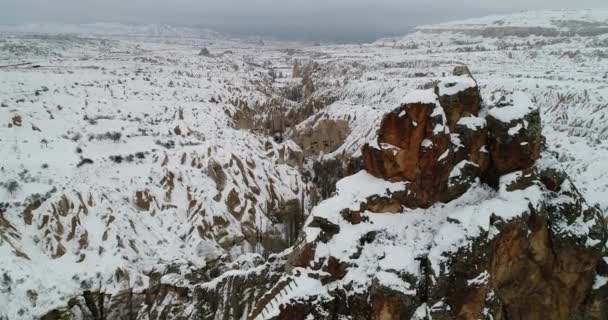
(342, 20)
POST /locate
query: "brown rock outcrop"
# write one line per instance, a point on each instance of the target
(514, 133)
(424, 141)
(458, 100)
(143, 199)
(533, 269)
(441, 146)
(540, 261)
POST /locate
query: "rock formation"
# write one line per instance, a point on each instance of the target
(222, 290)
(431, 140)
(457, 215)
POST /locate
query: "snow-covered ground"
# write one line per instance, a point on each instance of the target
(130, 149)
(119, 139)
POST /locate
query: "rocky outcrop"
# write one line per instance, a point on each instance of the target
(431, 140)
(323, 136)
(439, 143)
(278, 115)
(515, 133)
(532, 269)
(513, 238)
(209, 202)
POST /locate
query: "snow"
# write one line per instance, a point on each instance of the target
(350, 193)
(519, 105)
(443, 155)
(401, 239)
(302, 286)
(363, 184)
(569, 95)
(392, 281)
(472, 122)
(457, 171)
(480, 280)
(543, 19)
(440, 127)
(426, 143)
(455, 84)
(421, 96)
(143, 95)
(422, 312)
(515, 129)
(599, 282)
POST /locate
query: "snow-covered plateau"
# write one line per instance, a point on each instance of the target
(154, 172)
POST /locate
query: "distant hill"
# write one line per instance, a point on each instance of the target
(115, 29)
(544, 23)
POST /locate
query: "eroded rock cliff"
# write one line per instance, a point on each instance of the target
(457, 215)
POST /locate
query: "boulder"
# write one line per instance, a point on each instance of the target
(514, 139)
(424, 140)
(459, 97)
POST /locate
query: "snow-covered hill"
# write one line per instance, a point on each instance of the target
(121, 156)
(543, 23)
(105, 29)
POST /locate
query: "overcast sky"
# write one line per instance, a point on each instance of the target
(345, 20)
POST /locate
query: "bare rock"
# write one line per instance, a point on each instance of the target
(143, 200)
(216, 173)
(322, 136)
(459, 97)
(423, 142)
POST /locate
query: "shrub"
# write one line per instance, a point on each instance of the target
(11, 186)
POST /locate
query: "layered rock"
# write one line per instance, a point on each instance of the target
(200, 205)
(533, 266)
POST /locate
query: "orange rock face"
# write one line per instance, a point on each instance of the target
(386, 308)
(537, 278)
(463, 103)
(404, 152)
(423, 142)
(430, 144)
